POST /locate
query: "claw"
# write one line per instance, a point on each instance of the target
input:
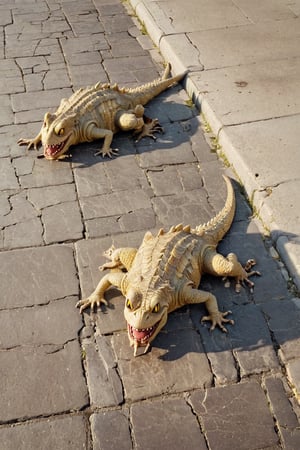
(217, 319)
(150, 127)
(91, 302)
(110, 152)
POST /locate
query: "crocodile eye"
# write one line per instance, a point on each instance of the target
(61, 132)
(129, 304)
(156, 308)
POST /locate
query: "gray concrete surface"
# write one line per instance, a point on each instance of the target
(71, 382)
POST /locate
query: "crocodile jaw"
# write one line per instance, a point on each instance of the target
(142, 337)
(54, 151)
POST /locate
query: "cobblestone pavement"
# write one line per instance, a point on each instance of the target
(68, 382)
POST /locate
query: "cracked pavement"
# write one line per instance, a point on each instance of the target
(69, 381)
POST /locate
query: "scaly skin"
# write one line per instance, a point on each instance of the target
(98, 112)
(164, 272)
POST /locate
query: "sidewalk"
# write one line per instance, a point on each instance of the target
(70, 382)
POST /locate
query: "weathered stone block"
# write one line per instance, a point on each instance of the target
(116, 203)
(66, 432)
(39, 381)
(110, 431)
(51, 324)
(37, 275)
(104, 384)
(62, 222)
(166, 423)
(235, 416)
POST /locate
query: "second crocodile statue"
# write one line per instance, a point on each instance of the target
(98, 112)
(164, 273)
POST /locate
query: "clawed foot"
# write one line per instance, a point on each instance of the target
(241, 280)
(107, 152)
(93, 302)
(150, 127)
(30, 143)
(217, 319)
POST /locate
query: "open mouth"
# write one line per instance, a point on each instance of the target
(142, 335)
(53, 150)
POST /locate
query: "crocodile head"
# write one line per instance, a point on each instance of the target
(58, 134)
(145, 317)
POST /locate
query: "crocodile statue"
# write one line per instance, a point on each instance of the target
(98, 112)
(164, 273)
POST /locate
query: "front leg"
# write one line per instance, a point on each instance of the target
(217, 318)
(94, 133)
(97, 297)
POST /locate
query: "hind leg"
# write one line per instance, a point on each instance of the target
(229, 266)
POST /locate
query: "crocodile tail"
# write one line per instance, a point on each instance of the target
(218, 226)
(146, 92)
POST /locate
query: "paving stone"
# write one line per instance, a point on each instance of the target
(105, 387)
(283, 319)
(142, 219)
(80, 76)
(174, 426)
(83, 44)
(8, 179)
(66, 432)
(165, 180)
(110, 319)
(10, 77)
(51, 195)
(105, 226)
(91, 180)
(54, 323)
(44, 99)
(251, 341)
(47, 173)
(235, 416)
(62, 222)
(110, 431)
(20, 210)
(37, 381)
(115, 203)
(190, 208)
(173, 147)
(176, 363)
(124, 172)
(6, 114)
(282, 408)
(25, 234)
(36, 276)
(33, 82)
(56, 78)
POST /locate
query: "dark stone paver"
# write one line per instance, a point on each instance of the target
(110, 431)
(230, 420)
(169, 423)
(38, 381)
(35, 276)
(66, 432)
